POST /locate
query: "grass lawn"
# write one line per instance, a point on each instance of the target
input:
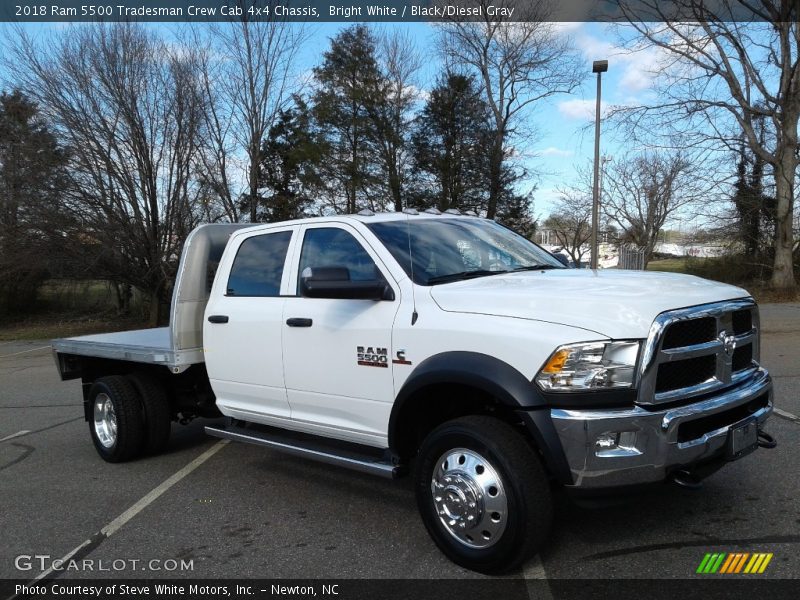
(46, 327)
(671, 265)
(68, 308)
(760, 291)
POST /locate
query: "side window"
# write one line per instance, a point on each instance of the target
(332, 247)
(258, 266)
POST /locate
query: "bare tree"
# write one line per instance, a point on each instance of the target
(248, 78)
(399, 62)
(571, 222)
(726, 66)
(519, 64)
(128, 107)
(642, 191)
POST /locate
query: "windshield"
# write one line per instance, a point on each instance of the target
(445, 250)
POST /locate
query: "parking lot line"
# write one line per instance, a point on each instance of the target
(25, 351)
(134, 510)
(13, 435)
(534, 571)
(786, 415)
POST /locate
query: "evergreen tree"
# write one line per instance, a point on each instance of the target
(449, 145)
(32, 171)
(290, 158)
(348, 82)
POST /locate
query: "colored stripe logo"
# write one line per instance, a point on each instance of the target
(735, 563)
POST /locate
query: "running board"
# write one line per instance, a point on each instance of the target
(309, 447)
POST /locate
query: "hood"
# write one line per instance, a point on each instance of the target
(614, 303)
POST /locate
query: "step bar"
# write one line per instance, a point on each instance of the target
(307, 448)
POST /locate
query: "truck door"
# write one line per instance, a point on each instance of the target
(243, 327)
(337, 352)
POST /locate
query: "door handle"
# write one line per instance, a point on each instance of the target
(218, 319)
(299, 322)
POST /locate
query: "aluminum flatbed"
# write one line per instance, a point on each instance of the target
(152, 346)
(176, 347)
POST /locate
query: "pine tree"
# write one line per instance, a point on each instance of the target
(31, 178)
(290, 159)
(348, 81)
(449, 145)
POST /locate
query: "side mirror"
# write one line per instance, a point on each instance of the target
(561, 258)
(335, 282)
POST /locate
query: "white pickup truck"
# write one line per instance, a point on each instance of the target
(446, 346)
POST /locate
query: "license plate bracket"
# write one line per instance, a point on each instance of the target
(742, 439)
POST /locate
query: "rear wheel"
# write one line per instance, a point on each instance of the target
(155, 405)
(483, 494)
(117, 426)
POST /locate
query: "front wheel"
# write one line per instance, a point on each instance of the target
(483, 494)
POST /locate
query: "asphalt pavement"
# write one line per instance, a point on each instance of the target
(234, 510)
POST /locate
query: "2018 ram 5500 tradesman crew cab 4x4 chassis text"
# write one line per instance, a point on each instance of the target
(443, 345)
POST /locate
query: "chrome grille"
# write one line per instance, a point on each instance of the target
(696, 350)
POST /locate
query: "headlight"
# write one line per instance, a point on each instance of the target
(590, 366)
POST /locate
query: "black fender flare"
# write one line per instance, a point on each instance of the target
(497, 378)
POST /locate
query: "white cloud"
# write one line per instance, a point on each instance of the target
(567, 27)
(639, 66)
(553, 151)
(583, 110)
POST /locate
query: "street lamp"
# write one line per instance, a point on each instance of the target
(599, 67)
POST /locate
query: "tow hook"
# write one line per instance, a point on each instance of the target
(686, 479)
(765, 440)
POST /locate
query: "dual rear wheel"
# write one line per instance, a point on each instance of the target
(129, 416)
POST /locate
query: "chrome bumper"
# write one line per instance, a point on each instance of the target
(648, 448)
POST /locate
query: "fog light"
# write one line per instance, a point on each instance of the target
(607, 441)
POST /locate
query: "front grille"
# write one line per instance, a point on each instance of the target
(685, 373)
(742, 358)
(689, 333)
(742, 321)
(697, 350)
(691, 430)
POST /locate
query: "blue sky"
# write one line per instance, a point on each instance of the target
(562, 139)
(563, 136)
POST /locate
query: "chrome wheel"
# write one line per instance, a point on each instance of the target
(469, 498)
(105, 420)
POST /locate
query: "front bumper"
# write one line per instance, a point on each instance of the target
(654, 442)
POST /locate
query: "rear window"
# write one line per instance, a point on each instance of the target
(258, 267)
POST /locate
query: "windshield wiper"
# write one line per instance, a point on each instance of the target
(462, 275)
(535, 268)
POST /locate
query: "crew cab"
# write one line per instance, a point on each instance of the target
(443, 346)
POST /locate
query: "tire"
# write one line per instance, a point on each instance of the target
(155, 406)
(118, 437)
(494, 508)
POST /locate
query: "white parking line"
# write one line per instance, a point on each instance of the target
(13, 435)
(534, 570)
(25, 351)
(134, 510)
(779, 412)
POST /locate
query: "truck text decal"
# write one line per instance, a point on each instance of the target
(373, 357)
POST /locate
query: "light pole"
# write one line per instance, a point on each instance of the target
(604, 160)
(599, 67)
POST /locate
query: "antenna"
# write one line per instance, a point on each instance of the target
(414, 315)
